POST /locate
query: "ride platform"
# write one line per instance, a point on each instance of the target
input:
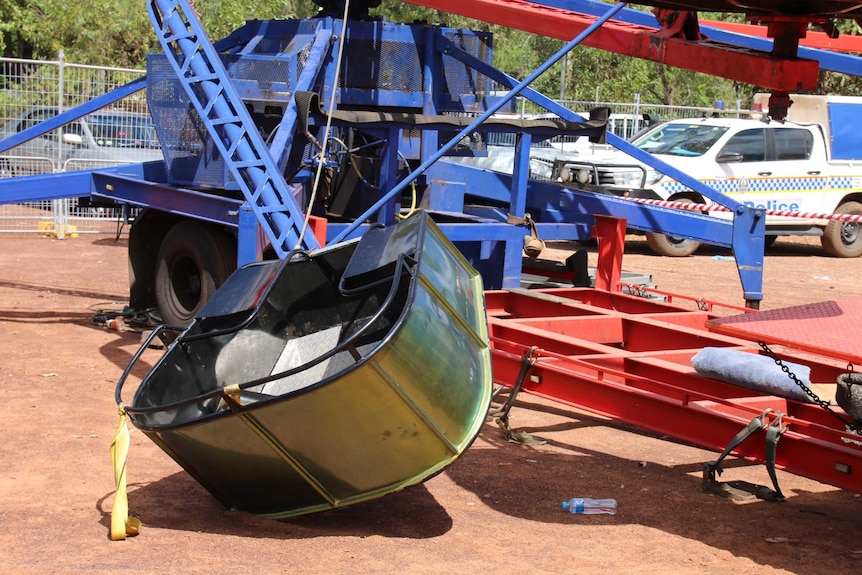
(830, 328)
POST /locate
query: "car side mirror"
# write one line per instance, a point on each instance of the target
(729, 158)
(73, 139)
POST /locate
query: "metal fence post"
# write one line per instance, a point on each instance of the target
(61, 207)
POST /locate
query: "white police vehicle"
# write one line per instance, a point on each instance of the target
(810, 165)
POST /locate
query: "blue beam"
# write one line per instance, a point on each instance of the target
(166, 198)
(551, 203)
(76, 184)
(281, 143)
(45, 187)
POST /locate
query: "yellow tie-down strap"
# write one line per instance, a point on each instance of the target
(122, 525)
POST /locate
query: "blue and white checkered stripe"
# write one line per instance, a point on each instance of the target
(755, 185)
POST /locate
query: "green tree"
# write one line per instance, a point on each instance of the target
(11, 41)
(98, 32)
(221, 17)
(106, 32)
(110, 33)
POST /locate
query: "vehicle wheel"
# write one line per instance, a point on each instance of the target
(194, 260)
(843, 239)
(671, 246)
(769, 240)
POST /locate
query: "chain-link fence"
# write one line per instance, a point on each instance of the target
(33, 91)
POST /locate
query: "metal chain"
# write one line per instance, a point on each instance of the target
(850, 425)
(638, 291)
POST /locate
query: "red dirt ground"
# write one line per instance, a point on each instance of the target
(496, 510)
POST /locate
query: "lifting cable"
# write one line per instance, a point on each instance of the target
(322, 157)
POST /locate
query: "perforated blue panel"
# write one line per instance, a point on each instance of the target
(384, 67)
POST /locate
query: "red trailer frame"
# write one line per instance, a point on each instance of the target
(628, 358)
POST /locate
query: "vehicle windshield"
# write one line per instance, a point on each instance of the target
(123, 131)
(680, 139)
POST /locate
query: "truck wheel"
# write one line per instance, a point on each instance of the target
(194, 260)
(671, 246)
(843, 239)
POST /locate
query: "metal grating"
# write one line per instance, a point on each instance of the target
(190, 157)
(460, 79)
(383, 65)
(830, 328)
(270, 76)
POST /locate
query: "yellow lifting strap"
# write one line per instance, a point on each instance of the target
(122, 525)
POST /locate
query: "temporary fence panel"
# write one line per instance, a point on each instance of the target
(32, 91)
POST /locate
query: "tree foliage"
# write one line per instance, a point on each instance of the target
(220, 17)
(110, 33)
(106, 32)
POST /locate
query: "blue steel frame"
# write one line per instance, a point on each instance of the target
(561, 213)
(746, 235)
(199, 67)
(510, 262)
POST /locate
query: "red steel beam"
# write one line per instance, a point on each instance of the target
(713, 58)
(818, 40)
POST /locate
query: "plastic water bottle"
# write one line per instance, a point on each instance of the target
(586, 506)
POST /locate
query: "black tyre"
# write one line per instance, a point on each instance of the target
(671, 246)
(194, 260)
(843, 239)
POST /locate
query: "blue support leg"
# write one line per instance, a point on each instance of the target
(749, 232)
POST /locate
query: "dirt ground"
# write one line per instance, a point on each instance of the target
(496, 510)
